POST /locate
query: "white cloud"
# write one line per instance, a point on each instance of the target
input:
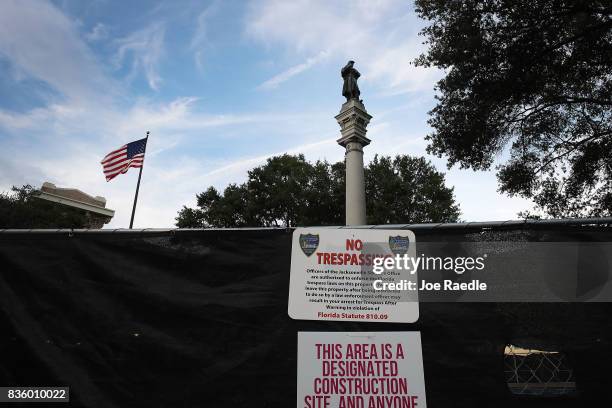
(286, 75)
(38, 39)
(394, 71)
(381, 36)
(236, 170)
(146, 48)
(180, 115)
(312, 25)
(199, 40)
(97, 33)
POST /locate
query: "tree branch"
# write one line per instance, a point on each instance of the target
(575, 146)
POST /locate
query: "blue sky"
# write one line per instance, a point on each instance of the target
(221, 85)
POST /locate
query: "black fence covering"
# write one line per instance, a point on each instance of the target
(199, 319)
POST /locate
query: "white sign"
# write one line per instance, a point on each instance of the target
(360, 370)
(332, 276)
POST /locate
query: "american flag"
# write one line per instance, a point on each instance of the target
(120, 160)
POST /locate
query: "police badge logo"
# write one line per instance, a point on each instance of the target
(399, 245)
(309, 243)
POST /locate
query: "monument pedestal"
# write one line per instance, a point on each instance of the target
(353, 120)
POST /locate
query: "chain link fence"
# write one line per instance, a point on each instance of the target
(538, 373)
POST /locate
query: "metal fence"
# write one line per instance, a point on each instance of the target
(538, 373)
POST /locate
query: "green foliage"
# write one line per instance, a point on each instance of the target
(21, 209)
(532, 79)
(289, 191)
(407, 189)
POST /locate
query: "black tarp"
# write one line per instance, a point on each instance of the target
(199, 319)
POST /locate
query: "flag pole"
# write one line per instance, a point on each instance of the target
(138, 187)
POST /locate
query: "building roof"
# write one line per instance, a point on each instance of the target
(73, 197)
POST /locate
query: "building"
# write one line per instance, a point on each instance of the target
(93, 207)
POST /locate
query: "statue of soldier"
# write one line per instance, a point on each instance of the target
(350, 90)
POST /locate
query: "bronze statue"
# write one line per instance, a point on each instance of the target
(350, 90)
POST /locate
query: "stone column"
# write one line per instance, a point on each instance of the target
(353, 120)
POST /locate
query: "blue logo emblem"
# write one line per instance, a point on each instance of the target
(399, 245)
(309, 243)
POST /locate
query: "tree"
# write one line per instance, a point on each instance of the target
(407, 189)
(530, 81)
(289, 191)
(21, 209)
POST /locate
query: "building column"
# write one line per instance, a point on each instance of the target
(355, 185)
(353, 120)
